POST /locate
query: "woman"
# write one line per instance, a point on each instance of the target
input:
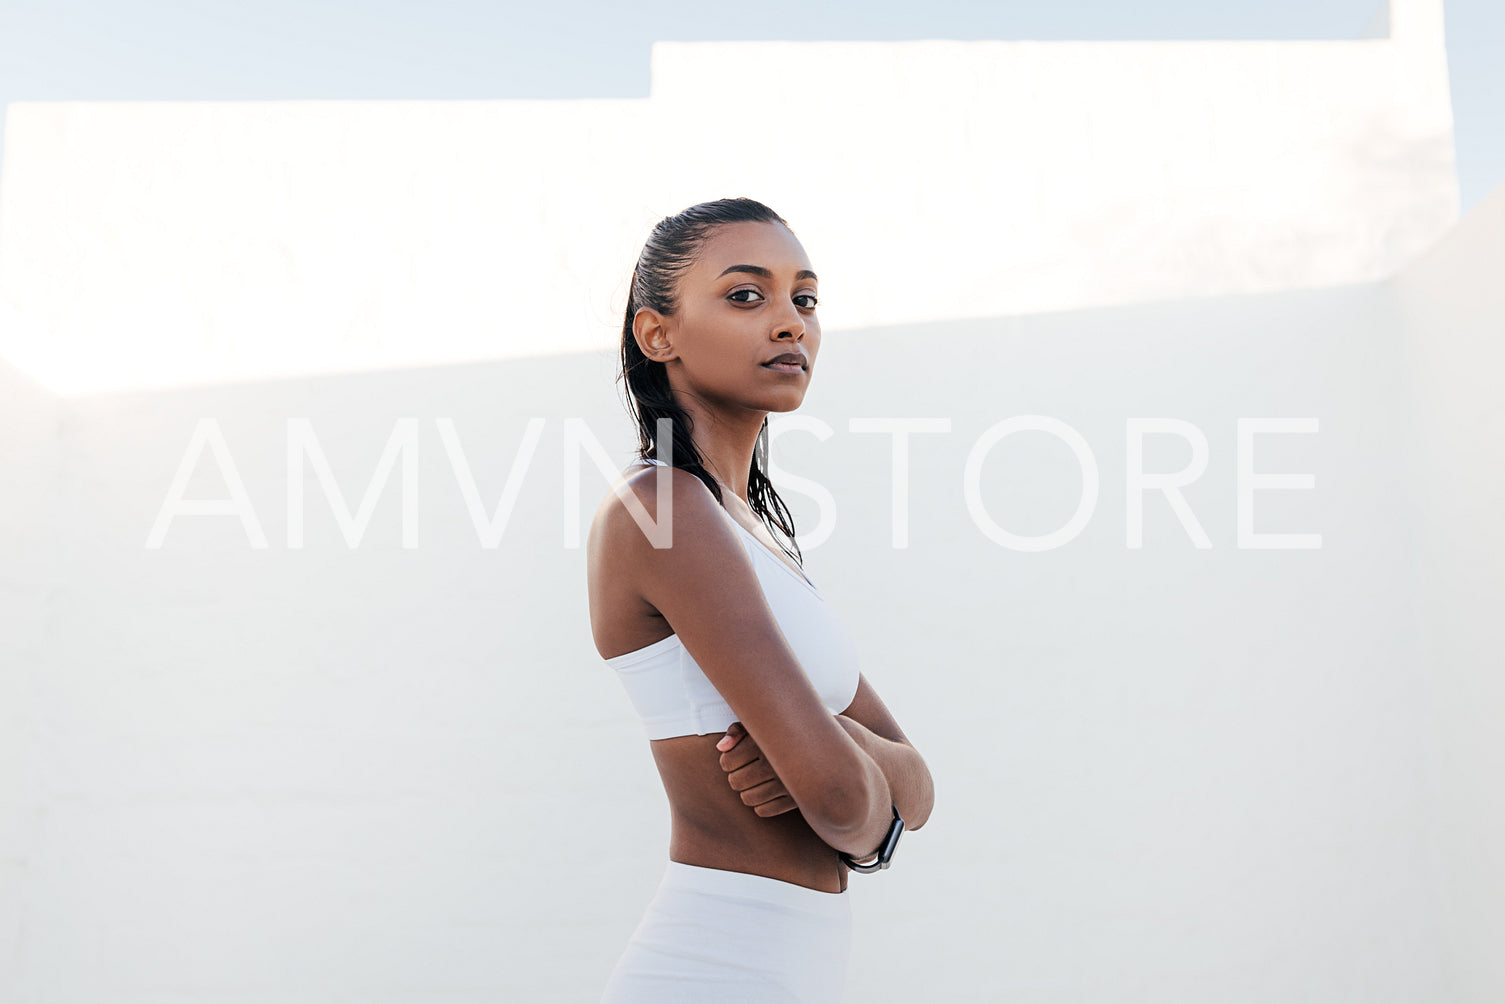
(779, 761)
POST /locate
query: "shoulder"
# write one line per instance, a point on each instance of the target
(628, 517)
(641, 487)
(673, 548)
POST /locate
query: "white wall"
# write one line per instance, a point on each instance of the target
(1165, 773)
(30, 577)
(1455, 318)
(934, 180)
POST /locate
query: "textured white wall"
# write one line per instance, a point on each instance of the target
(936, 180)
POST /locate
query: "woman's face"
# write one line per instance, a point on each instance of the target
(748, 298)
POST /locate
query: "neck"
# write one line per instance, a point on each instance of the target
(726, 445)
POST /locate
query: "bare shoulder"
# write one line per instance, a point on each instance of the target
(627, 518)
(620, 549)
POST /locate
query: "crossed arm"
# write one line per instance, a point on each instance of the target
(833, 767)
(876, 733)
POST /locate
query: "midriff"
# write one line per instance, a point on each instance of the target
(712, 827)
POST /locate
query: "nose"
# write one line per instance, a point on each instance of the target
(791, 325)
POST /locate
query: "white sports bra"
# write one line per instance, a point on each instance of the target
(673, 696)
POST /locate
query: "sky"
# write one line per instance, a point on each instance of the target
(213, 50)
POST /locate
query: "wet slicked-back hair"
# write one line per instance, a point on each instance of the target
(672, 247)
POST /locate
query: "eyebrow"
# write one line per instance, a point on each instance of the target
(759, 270)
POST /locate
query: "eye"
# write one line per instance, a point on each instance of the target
(735, 294)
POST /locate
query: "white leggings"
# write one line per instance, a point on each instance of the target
(719, 936)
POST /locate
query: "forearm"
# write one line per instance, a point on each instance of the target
(860, 838)
(908, 778)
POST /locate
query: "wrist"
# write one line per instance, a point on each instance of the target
(878, 859)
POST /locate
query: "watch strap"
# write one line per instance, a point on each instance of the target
(885, 851)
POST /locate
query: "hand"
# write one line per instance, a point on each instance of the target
(749, 773)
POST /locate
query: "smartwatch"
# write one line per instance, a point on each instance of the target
(885, 850)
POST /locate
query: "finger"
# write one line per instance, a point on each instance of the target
(776, 807)
(756, 773)
(746, 752)
(746, 748)
(768, 791)
(734, 734)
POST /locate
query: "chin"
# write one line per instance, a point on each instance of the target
(789, 402)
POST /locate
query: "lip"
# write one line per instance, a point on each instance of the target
(792, 359)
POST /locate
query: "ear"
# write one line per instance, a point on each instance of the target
(650, 328)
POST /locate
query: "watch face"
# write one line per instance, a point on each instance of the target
(895, 829)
